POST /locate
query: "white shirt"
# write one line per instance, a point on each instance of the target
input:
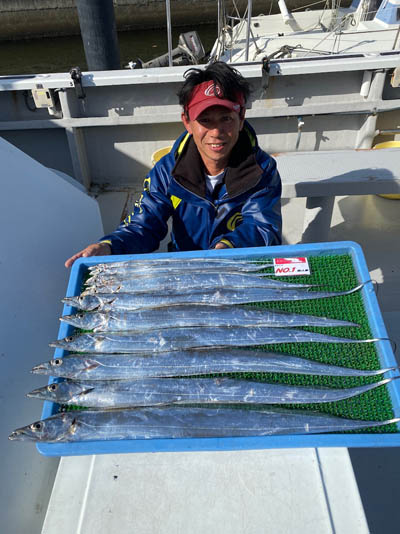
(213, 181)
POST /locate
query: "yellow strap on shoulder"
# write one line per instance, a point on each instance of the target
(182, 144)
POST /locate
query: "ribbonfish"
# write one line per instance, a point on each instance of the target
(185, 363)
(192, 315)
(192, 338)
(175, 264)
(153, 391)
(100, 278)
(176, 422)
(185, 281)
(216, 297)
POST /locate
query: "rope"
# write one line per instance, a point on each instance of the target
(309, 5)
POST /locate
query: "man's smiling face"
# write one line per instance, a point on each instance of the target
(215, 133)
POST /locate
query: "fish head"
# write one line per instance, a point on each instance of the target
(89, 290)
(84, 320)
(77, 342)
(92, 279)
(59, 427)
(60, 392)
(82, 302)
(70, 366)
(67, 343)
(97, 267)
(44, 368)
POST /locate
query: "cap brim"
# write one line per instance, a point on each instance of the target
(197, 109)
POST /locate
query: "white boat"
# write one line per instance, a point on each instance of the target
(366, 26)
(99, 132)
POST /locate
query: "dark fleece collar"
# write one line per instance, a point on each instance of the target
(242, 173)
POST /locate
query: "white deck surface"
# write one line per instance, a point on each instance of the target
(279, 491)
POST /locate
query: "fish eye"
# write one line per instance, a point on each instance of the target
(36, 427)
(56, 362)
(69, 339)
(81, 315)
(52, 387)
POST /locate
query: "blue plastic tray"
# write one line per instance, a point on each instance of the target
(385, 353)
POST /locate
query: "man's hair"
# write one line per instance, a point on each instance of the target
(228, 78)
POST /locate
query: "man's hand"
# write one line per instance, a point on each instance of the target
(221, 245)
(96, 249)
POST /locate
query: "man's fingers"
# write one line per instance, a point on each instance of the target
(82, 254)
(97, 249)
(71, 260)
(221, 245)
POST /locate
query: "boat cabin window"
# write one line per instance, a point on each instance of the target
(373, 6)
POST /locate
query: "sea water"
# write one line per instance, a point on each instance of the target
(60, 54)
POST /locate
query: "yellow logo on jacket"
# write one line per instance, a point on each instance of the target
(175, 201)
(234, 221)
(138, 203)
(146, 184)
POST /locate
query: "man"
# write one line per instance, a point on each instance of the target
(219, 187)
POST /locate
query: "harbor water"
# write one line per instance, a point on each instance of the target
(59, 54)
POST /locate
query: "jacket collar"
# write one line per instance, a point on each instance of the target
(242, 173)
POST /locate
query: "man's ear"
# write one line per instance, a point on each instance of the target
(186, 123)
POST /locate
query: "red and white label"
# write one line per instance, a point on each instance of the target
(291, 266)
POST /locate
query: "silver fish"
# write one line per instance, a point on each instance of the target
(185, 363)
(130, 301)
(154, 391)
(112, 275)
(187, 264)
(105, 279)
(184, 281)
(191, 315)
(192, 338)
(177, 422)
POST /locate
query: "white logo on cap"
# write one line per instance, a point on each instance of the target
(212, 90)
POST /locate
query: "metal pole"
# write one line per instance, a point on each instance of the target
(169, 32)
(395, 39)
(219, 18)
(249, 10)
(99, 34)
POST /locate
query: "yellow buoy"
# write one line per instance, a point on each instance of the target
(388, 144)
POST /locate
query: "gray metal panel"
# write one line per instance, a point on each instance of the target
(120, 158)
(334, 173)
(175, 74)
(48, 147)
(127, 115)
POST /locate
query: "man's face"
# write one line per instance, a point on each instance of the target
(215, 132)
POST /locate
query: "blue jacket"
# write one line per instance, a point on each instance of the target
(246, 212)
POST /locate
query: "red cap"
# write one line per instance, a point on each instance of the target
(203, 97)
